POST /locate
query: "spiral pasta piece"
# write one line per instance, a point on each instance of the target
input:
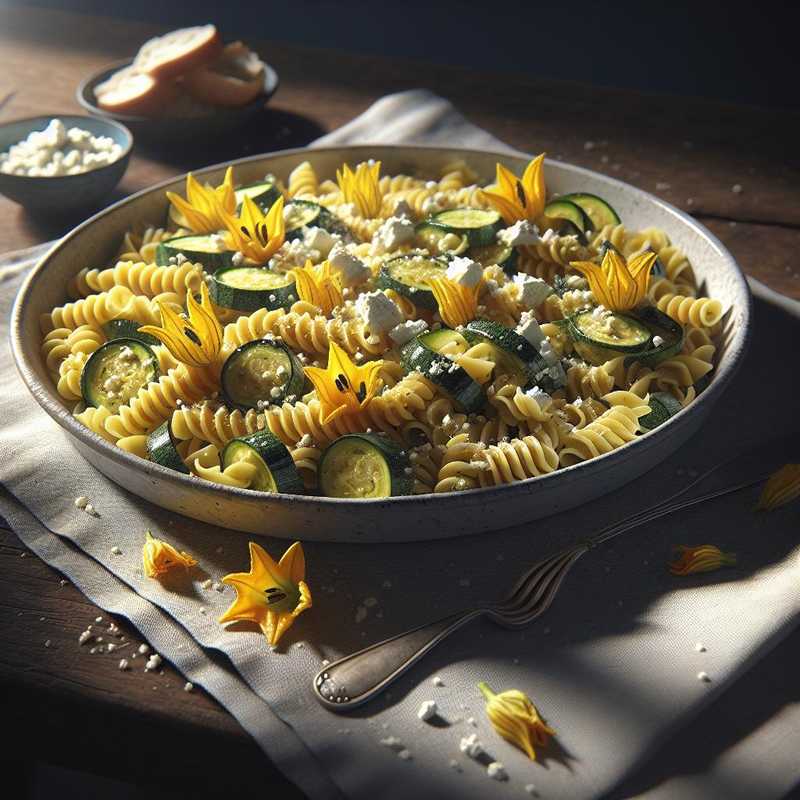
(701, 312)
(95, 310)
(216, 426)
(155, 402)
(557, 249)
(142, 247)
(141, 278)
(95, 420)
(514, 405)
(616, 427)
(306, 459)
(634, 377)
(303, 181)
(459, 469)
(516, 460)
(587, 381)
(69, 380)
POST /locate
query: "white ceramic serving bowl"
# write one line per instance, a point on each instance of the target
(95, 242)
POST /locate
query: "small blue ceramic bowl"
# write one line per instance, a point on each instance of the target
(64, 194)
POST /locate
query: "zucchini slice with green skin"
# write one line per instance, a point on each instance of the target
(263, 194)
(670, 333)
(601, 337)
(663, 406)
(408, 275)
(479, 225)
(116, 371)
(423, 355)
(563, 209)
(161, 449)
(275, 469)
(128, 329)
(497, 253)
(365, 466)
(205, 249)
(515, 355)
(251, 288)
(439, 241)
(301, 214)
(600, 213)
(262, 370)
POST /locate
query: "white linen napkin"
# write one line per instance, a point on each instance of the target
(612, 666)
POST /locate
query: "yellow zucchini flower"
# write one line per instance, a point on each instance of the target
(195, 341)
(700, 558)
(458, 304)
(160, 557)
(344, 387)
(319, 286)
(516, 719)
(271, 595)
(616, 283)
(256, 235)
(782, 487)
(205, 206)
(519, 198)
(361, 187)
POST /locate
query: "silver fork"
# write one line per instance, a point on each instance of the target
(360, 677)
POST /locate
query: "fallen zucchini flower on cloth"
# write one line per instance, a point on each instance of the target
(700, 558)
(271, 595)
(160, 557)
(782, 487)
(516, 719)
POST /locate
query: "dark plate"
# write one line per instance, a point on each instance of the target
(214, 123)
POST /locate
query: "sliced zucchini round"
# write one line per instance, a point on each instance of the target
(670, 335)
(423, 354)
(600, 213)
(261, 370)
(128, 329)
(365, 466)
(408, 275)
(116, 371)
(301, 214)
(497, 253)
(563, 209)
(251, 288)
(205, 249)
(263, 194)
(275, 469)
(439, 241)
(161, 449)
(514, 355)
(601, 337)
(479, 225)
(663, 406)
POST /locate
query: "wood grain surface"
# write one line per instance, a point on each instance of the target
(690, 152)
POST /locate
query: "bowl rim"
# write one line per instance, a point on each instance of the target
(46, 397)
(126, 150)
(85, 91)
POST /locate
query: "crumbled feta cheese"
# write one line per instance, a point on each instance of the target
(431, 206)
(351, 270)
(700, 647)
(81, 502)
(84, 637)
(379, 313)
(392, 742)
(531, 291)
(657, 341)
(529, 329)
(540, 396)
(237, 259)
(471, 746)
(437, 681)
(547, 352)
(703, 677)
(404, 754)
(115, 551)
(530, 788)
(394, 232)
(320, 239)
(465, 271)
(521, 232)
(188, 686)
(123, 664)
(406, 331)
(496, 771)
(57, 151)
(144, 648)
(549, 235)
(153, 662)
(428, 710)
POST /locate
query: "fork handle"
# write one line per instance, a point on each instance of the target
(357, 678)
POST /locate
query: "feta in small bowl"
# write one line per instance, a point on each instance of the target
(62, 165)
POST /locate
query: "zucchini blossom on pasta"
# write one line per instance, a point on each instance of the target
(319, 286)
(361, 187)
(519, 198)
(616, 283)
(205, 206)
(256, 235)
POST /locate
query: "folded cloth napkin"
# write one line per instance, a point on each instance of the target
(613, 665)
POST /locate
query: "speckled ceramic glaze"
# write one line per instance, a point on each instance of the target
(405, 518)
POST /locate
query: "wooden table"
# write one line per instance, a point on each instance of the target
(691, 152)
